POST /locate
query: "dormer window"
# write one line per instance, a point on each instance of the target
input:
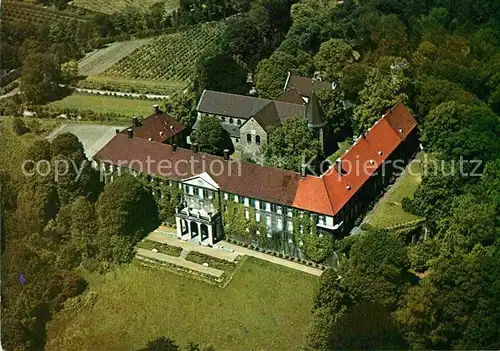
(231, 121)
(380, 153)
(348, 187)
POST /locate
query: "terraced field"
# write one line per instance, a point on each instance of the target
(168, 58)
(110, 7)
(99, 61)
(12, 11)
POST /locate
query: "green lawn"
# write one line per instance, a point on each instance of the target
(127, 107)
(388, 210)
(264, 307)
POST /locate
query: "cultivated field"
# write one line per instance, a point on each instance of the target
(126, 107)
(264, 307)
(14, 11)
(110, 7)
(388, 211)
(92, 136)
(168, 58)
(97, 61)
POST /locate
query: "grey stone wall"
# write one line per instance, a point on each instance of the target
(252, 149)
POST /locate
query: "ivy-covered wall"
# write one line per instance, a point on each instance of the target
(316, 244)
(167, 195)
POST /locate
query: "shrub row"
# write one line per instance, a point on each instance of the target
(278, 254)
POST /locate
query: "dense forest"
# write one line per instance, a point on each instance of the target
(434, 288)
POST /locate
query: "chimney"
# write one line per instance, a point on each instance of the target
(117, 131)
(194, 147)
(156, 109)
(174, 147)
(135, 121)
(226, 154)
(130, 132)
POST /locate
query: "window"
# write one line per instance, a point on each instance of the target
(289, 212)
(206, 194)
(257, 217)
(290, 226)
(247, 214)
(237, 140)
(268, 207)
(279, 225)
(279, 209)
(321, 219)
(249, 138)
(226, 196)
(257, 204)
(231, 121)
(238, 122)
(223, 119)
(235, 198)
(200, 193)
(246, 201)
(225, 208)
(252, 202)
(268, 220)
(273, 207)
(257, 139)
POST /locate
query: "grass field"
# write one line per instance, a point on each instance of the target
(388, 211)
(168, 58)
(98, 61)
(264, 307)
(110, 7)
(126, 107)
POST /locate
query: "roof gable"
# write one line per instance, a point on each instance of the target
(157, 127)
(232, 105)
(202, 180)
(305, 86)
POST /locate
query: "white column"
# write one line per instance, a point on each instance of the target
(178, 223)
(199, 231)
(210, 234)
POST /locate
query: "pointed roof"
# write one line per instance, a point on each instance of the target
(313, 112)
(268, 116)
(157, 127)
(305, 86)
(292, 96)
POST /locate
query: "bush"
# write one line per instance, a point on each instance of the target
(406, 204)
(19, 126)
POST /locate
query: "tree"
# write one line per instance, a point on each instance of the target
(69, 71)
(331, 301)
(380, 93)
(182, 106)
(220, 72)
(292, 145)
(333, 55)
(271, 73)
(377, 268)
(75, 173)
(19, 126)
(40, 77)
(126, 213)
(352, 80)
(456, 306)
(462, 130)
(83, 226)
(338, 118)
(211, 137)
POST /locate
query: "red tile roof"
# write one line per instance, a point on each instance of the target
(358, 163)
(254, 181)
(159, 128)
(326, 194)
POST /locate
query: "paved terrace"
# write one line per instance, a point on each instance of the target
(226, 251)
(180, 261)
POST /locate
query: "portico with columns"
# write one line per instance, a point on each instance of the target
(196, 217)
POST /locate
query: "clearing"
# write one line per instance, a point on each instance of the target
(110, 7)
(92, 136)
(123, 106)
(97, 61)
(264, 307)
(388, 211)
